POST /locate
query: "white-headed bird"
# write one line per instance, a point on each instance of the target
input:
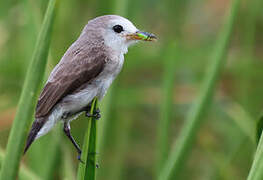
(86, 71)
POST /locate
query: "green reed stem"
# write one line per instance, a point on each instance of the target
(27, 100)
(87, 170)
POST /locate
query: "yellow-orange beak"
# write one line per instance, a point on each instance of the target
(140, 35)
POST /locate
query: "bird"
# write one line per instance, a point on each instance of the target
(86, 71)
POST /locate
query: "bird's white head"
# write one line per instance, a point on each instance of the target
(118, 32)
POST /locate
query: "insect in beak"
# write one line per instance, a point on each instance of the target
(140, 35)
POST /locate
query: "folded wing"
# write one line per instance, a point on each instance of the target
(69, 75)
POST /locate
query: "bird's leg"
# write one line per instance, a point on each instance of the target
(67, 132)
(66, 115)
(96, 114)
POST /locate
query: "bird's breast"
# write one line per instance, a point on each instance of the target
(105, 79)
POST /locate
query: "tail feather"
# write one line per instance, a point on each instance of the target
(37, 125)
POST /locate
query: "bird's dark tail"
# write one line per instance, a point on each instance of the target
(37, 125)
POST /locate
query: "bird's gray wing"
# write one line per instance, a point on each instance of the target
(74, 69)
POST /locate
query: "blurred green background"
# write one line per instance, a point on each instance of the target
(132, 110)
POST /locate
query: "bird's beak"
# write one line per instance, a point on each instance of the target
(140, 35)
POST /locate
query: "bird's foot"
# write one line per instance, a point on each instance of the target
(65, 115)
(79, 158)
(96, 114)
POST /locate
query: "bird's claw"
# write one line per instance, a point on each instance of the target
(96, 114)
(79, 158)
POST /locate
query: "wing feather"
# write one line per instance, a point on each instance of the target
(75, 68)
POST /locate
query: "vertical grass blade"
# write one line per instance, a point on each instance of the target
(186, 138)
(166, 106)
(27, 100)
(92, 152)
(87, 170)
(256, 172)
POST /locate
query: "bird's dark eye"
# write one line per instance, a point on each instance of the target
(117, 28)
